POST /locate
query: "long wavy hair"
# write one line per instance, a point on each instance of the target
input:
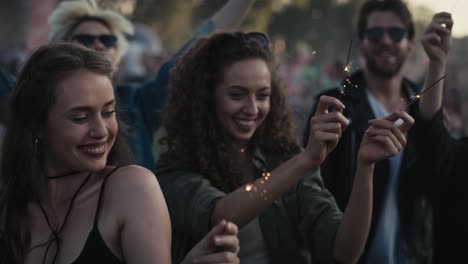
(193, 132)
(22, 178)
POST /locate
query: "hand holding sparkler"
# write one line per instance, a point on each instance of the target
(326, 129)
(437, 42)
(436, 39)
(384, 138)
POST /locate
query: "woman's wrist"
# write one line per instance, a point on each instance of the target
(363, 163)
(306, 161)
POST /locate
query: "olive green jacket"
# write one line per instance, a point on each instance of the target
(299, 227)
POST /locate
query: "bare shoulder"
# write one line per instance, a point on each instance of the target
(133, 180)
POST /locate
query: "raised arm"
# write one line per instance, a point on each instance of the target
(382, 140)
(151, 96)
(242, 206)
(230, 16)
(436, 42)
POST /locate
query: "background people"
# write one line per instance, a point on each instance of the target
(82, 21)
(401, 220)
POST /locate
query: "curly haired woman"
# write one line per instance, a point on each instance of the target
(230, 153)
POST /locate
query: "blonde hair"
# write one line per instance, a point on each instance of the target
(69, 14)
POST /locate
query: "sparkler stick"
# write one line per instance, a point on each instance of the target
(416, 98)
(347, 70)
(349, 52)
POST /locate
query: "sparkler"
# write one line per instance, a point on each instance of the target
(257, 186)
(416, 97)
(347, 70)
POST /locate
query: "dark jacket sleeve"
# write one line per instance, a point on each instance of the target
(432, 143)
(320, 217)
(190, 199)
(6, 86)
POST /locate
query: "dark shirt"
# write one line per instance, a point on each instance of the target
(339, 168)
(6, 84)
(299, 227)
(443, 162)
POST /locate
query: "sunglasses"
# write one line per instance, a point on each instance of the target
(87, 40)
(259, 37)
(233, 44)
(376, 34)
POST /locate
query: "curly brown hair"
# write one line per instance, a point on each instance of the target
(193, 132)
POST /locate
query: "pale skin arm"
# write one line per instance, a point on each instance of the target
(230, 16)
(241, 206)
(145, 225)
(436, 42)
(382, 140)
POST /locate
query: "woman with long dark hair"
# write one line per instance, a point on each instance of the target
(67, 191)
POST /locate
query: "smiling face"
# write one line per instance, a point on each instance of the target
(243, 98)
(81, 125)
(385, 58)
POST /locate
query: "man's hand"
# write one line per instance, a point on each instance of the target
(436, 39)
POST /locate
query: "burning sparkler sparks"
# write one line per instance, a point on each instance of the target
(257, 186)
(413, 99)
(347, 70)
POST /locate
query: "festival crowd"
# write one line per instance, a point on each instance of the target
(205, 161)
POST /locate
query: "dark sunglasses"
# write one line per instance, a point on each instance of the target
(376, 34)
(108, 40)
(259, 37)
(235, 43)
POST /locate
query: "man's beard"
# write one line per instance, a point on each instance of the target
(381, 72)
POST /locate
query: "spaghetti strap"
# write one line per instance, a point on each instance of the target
(101, 193)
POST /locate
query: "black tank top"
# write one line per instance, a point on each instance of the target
(95, 249)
